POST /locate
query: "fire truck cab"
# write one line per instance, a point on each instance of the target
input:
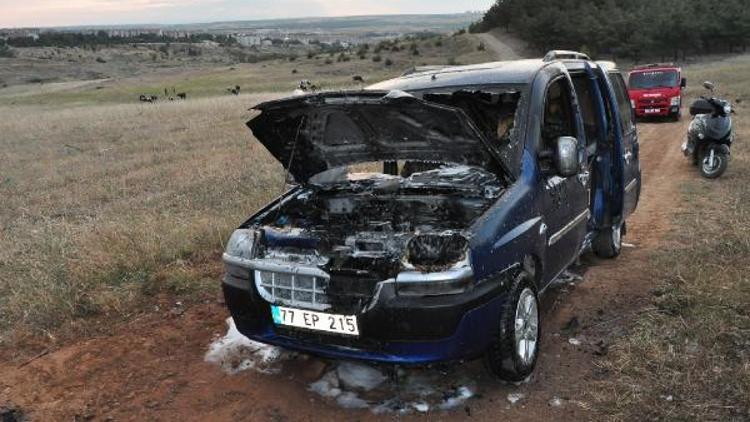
(656, 90)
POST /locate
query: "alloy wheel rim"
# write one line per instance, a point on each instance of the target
(527, 326)
(708, 168)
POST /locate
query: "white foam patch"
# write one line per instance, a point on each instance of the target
(358, 385)
(514, 398)
(359, 376)
(457, 399)
(236, 353)
(348, 384)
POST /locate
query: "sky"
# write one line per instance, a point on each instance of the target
(36, 13)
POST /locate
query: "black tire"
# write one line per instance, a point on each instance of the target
(675, 117)
(608, 242)
(502, 358)
(713, 172)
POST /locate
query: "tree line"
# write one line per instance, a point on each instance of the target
(103, 38)
(635, 29)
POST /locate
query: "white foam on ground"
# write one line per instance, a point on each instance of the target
(514, 398)
(351, 385)
(359, 376)
(236, 353)
(350, 400)
(461, 395)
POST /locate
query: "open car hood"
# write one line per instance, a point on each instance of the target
(314, 133)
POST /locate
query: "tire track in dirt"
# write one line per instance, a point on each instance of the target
(152, 368)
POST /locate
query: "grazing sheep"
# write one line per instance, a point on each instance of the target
(304, 87)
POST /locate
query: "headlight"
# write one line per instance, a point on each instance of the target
(436, 251)
(632, 103)
(439, 266)
(241, 244)
(675, 101)
(727, 109)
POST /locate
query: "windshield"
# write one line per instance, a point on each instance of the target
(654, 79)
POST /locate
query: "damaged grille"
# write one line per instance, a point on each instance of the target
(293, 289)
(344, 290)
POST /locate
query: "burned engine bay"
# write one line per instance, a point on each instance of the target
(365, 230)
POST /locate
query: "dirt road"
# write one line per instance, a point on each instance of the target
(504, 46)
(153, 368)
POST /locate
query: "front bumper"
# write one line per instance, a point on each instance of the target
(393, 329)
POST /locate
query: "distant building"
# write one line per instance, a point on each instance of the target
(248, 40)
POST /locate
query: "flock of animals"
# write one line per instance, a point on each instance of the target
(305, 86)
(174, 95)
(153, 98)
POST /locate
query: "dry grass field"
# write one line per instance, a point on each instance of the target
(102, 204)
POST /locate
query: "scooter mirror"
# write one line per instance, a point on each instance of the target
(708, 85)
(683, 83)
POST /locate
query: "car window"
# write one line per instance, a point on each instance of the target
(558, 116)
(623, 101)
(587, 104)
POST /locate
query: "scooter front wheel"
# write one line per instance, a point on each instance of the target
(713, 164)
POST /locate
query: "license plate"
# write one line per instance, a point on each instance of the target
(652, 110)
(317, 321)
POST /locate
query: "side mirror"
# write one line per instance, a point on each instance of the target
(683, 83)
(566, 156)
(709, 86)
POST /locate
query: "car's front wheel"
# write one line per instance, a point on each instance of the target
(515, 344)
(608, 242)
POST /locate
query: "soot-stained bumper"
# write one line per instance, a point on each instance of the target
(393, 329)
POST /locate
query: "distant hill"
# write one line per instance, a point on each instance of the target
(347, 24)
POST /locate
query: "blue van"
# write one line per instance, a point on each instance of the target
(430, 212)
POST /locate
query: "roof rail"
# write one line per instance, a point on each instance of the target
(553, 55)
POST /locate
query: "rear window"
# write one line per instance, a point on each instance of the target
(623, 102)
(654, 79)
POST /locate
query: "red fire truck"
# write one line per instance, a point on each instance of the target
(656, 90)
